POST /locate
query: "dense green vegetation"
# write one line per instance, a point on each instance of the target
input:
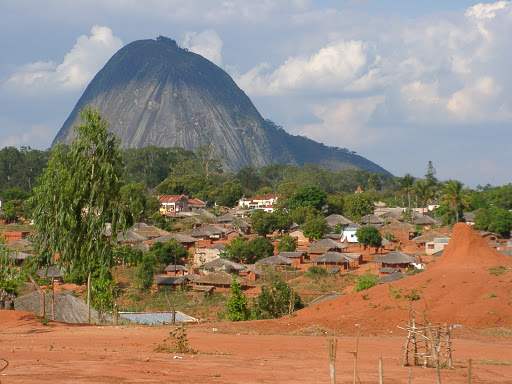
(307, 192)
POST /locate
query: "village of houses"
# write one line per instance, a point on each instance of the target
(207, 271)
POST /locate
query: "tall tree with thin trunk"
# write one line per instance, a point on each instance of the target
(455, 196)
(77, 196)
(406, 185)
(424, 191)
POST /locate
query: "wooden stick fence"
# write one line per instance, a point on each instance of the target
(427, 345)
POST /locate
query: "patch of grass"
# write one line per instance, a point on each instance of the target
(490, 296)
(497, 271)
(498, 332)
(493, 362)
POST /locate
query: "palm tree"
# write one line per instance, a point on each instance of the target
(423, 191)
(455, 196)
(406, 184)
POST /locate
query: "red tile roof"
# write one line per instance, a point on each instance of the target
(169, 198)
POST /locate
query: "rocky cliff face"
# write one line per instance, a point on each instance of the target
(154, 93)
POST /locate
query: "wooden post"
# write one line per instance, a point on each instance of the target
(89, 293)
(355, 359)
(53, 293)
(381, 373)
(333, 346)
(42, 300)
(115, 320)
(470, 363)
(434, 351)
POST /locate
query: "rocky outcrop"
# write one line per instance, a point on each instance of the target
(154, 93)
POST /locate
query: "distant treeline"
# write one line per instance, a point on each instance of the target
(200, 175)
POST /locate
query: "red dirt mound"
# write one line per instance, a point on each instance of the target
(468, 248)
(462, 289)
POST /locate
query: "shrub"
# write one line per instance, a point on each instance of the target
(316, 271)
(366, 281)
(237, 306)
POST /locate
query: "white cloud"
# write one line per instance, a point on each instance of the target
(344, 122)
(78, 67)
(207, 44)
(487, 11)
(339, 64)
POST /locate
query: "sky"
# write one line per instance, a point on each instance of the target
(399, 82)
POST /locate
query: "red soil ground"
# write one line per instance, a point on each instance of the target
(458, 289)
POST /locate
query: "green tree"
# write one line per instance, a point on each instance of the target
(229, 195)
(424, 191)
(369, 236)
(277, 300)
(406, 185)
(358, 205)
(209, 163)
(286, 244)
(301, 215)
(77, 196)
(374, 181)
(260, 247)
(282, 220)
(335, 204)
(249, 178)
(315, 229)
(304, 197)
(237, 306)
(262, 222)
(170, 252)
(285, 190)
(264, 191)
(494, 219)
(146, 271)
(238, 250)
(430, 176)
(455, 196)
(11, 277)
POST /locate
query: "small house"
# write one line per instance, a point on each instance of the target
(220, 280)
(396, 259)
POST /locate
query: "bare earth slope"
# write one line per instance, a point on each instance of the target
(459, 289)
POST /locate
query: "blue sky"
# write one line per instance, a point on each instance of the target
(399, 82)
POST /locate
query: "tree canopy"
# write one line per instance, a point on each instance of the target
(77, 196)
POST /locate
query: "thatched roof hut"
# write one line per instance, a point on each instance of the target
(224, 219)
(208, 231)
(397, 226)
(336, 258)
(424, 220)
(18, 257)
(428, 237)
(371, 219)
(396, 258)
(51, 272)
(130, 237)
(177, 267)
(334, 220)
(142, 247)
(151, 232)
(392, 215)
(222, 264)
(219, 278)
(392, 277)
(180, 238)
(21, 245)
(276, 260)
(326, 245)
(170, 280)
